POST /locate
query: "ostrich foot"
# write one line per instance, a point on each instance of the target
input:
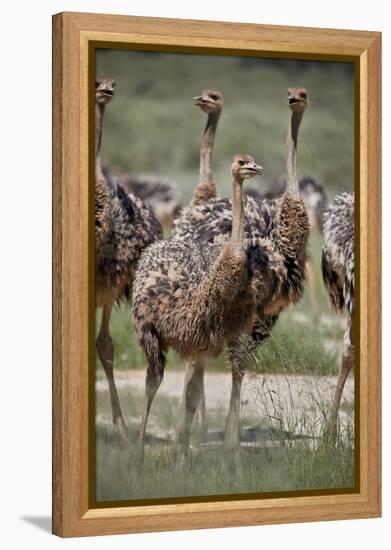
(120, 428)
(136, 456)
(330, 432)
(182, 457)
(232, 459)
(199, 434)
(232, 451)
(231, 440)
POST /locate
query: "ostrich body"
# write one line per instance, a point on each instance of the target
(311, 190)
(123, 228)
(284, 224)
(315, 199)
(338, 277)
(194, 299)
(157, 192)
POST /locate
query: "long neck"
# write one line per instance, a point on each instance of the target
(225, 277)
(99, 112)
(206, 151)
(291, 161)
(292, 226)
(237, 215)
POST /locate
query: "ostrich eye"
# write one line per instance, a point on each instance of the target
(241, 162)
(96, 84)
(214, 97)
(303, 95)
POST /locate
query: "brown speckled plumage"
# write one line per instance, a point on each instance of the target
(338, 252)
(265, 221)
(157, 192)
(338, 276)
(315, 200)
(211, 222)
(188, 299)
(127, 228)
(311, 190)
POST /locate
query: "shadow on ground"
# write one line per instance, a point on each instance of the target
(44, 523)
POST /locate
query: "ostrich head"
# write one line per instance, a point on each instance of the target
(104, 89)
(297, 99)
(244, 167)
(210, 101)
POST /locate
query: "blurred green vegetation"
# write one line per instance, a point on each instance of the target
(152, 125)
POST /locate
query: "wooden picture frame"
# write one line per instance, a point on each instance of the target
(74, 34)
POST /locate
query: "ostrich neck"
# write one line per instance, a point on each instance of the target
(237, 215)
(99, 112)
(206, 151)
(291, 161)
(225, 276)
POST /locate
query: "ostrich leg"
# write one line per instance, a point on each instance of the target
(232, 431)
(346, 366)
(240, 352)
(152, 383)
(200, 415)
(153, 379)
(201, 418)
(104, 346)
(193, 392)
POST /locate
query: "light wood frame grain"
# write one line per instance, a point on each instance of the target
(72, 34)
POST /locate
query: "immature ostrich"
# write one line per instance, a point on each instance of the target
(285, 224)
(338, 276)
(194, 299)
(123, 228)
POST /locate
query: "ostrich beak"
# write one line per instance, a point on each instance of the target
(257, 168)
(254, 168)
(293, 100)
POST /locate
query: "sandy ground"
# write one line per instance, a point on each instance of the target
(296, 403)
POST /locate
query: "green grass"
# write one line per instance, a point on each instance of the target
(286, 465)
(289, 350)
(214, 473)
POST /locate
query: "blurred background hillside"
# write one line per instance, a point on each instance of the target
(152, 125)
